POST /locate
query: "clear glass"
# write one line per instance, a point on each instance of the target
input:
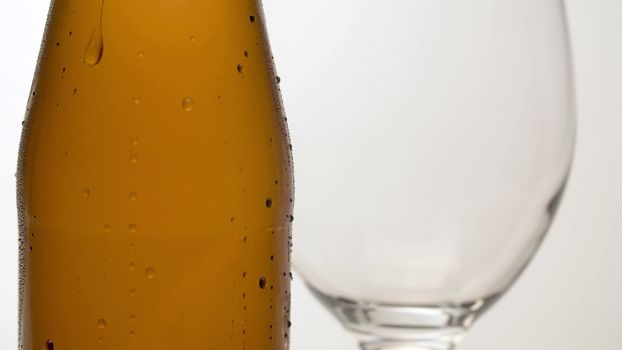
(432, 140)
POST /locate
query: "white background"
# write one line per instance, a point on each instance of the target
(569, 297)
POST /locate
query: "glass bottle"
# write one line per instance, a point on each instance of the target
(154, 181)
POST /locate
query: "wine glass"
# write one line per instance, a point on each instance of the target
(432, 142)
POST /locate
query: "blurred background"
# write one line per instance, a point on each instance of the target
(569, 296)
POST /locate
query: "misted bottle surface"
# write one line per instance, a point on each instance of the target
(154, 181)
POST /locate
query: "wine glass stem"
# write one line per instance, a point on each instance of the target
(406, 345)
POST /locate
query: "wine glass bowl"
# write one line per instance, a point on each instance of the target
(433, 141)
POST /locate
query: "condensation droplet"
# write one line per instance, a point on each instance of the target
(132, 246)
(134, 141)
(132, 266)
(86, 192)
(193, 38)
(132, 228)
(132, 293)
(95, 48)
(107, 228)
(133, 196)
(101, 323)
(240, 68)
(133, 158)
(132, 318)
(252, 18)
(100, 339)
(262, 282)
(187, 104)
(268, 202)
(290, 218)
(278, 79)
(150, 272)
(132, 333)
(136, 100)
(273, 229)
(140, 54)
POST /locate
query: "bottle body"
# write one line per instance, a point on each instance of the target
(154, 181)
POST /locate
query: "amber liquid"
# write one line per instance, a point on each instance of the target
(154, 182)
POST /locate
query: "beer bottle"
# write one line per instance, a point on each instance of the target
(154, 181)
